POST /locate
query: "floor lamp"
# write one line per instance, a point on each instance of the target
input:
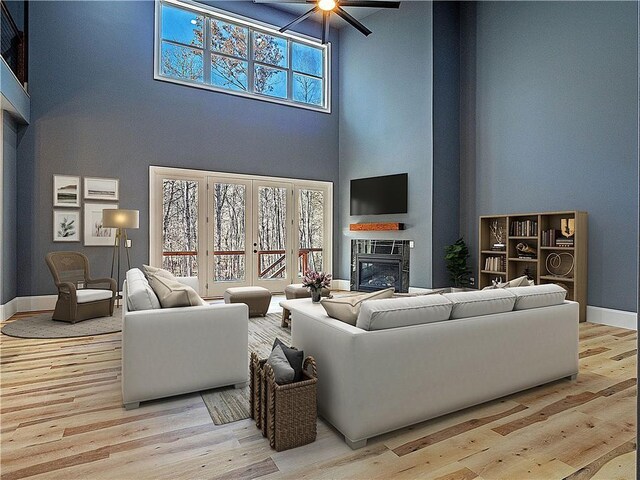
(120, 219)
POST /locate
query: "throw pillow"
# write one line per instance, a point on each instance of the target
(294, 357)
(172, 293)
(281, 368)
(158, 272)
(516, 282)
(347, 309)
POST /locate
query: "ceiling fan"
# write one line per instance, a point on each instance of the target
(327, 7)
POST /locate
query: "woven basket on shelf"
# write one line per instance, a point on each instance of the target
(286, 414)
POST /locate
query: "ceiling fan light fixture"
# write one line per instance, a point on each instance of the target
(327, 5)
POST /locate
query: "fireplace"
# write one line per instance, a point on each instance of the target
(379, 264)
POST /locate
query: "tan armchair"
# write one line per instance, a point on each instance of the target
(96, 298)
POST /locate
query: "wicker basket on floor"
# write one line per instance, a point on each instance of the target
(286, 414)
(255, 381)
(290, 413)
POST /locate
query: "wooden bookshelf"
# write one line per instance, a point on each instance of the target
(549, 263)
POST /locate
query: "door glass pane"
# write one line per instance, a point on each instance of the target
(229, 232)
(272, 234)
(310, 230)
(180, 227)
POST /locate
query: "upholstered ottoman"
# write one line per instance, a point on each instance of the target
(297, 290)
(256, 298)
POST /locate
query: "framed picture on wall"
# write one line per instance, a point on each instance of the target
(101, 188)
(66, 226)
(95, 234)
(66, 191)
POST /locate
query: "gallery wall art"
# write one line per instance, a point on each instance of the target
(66, 191)
(94, 233)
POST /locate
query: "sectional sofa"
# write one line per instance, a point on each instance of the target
(408, 360)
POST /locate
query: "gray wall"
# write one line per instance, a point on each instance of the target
(96, 111)
(9, 199)
(552, 125)
(446, 134)
(385, 124)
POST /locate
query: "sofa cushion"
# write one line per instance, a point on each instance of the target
(482, 302)
(172, 293)
(402, 312)
(538, 296)
(150, 271)
(294, 357)
(87, 295)
(282, 370)
(347, 308)
(140, 295)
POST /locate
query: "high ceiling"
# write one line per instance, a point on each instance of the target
(336, 22)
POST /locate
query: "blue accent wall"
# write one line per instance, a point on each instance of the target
(9, 209)
(96, 111)
(550, 122)
(446, 134)
(385, 125)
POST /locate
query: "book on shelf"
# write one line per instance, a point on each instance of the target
(495, 264)
(524, 228)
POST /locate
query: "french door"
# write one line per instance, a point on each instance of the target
(250, 235)
(239, 230)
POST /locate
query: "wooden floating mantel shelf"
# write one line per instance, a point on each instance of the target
(361, 227)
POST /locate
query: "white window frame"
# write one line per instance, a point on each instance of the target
(157, 174)
(253, 26)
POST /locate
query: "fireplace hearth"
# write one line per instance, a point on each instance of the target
(379, 264)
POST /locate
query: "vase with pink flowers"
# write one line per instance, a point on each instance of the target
(316, 281)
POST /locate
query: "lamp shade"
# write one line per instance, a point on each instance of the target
(120, 218)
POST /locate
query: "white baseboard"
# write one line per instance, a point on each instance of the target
(614, 318)
(8, 309)
(38, 302)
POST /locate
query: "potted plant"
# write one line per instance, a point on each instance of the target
(316, 281)
(456, 256)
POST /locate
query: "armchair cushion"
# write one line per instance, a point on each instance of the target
(87, 295)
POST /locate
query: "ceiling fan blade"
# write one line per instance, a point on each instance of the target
(302, 17)
(349, 19)
(281, 1)
(325, 27)
(372, 4)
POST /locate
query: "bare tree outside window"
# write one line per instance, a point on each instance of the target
(272, 232)
(310, 230)
(229, 232)
(180, 227)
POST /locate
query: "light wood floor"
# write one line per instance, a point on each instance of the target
(61, 418)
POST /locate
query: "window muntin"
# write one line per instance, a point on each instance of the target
(235, 55)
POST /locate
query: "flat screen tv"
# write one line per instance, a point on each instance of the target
(379, 195)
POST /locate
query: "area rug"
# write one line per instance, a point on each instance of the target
(41, 325)
(228, 404)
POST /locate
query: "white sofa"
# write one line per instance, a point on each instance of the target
(172, 351)
(376, 381)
